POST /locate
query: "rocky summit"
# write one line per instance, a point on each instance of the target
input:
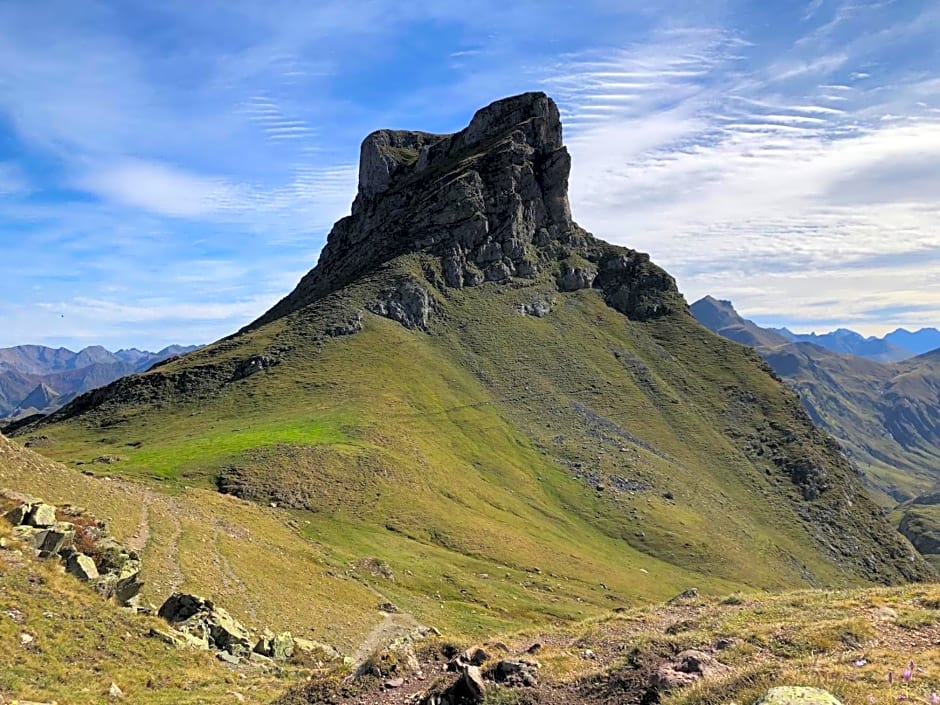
(491, 204)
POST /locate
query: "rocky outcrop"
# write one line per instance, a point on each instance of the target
(252, 365)
(410, 304)
(87, 552)
(210, 625)
(488, 204)
(80, 542)
(198, 623)
(688, 667)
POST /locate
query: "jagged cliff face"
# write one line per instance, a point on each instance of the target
(491, 202)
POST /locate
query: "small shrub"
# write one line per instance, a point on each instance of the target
(917, 619)
(499, 695)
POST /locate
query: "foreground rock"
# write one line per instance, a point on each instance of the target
(80, 542)
(209, 624)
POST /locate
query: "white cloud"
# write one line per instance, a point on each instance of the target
(747, 188)
(160, 188)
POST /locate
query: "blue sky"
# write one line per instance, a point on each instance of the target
(169, 170)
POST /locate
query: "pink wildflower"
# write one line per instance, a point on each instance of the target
(908, 674)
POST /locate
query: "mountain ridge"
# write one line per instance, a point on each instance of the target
(844, 340)
(883, 413)
(27, 369)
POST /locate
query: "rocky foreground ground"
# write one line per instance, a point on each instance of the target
(59, 636)
(858, 646)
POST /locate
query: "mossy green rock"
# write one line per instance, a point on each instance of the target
(282, 646)
(798, 695)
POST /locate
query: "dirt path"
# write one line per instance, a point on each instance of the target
(172, 552)
(141, 537)
(231, 577)
(392, 626)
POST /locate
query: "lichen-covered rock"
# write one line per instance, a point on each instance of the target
(798, 695)
(82, 567)
(318, 650)
(54, 539)
(17, 515)
(41, 515)
(29, 535)
(279, 647)
(282, 646)
(201, 618)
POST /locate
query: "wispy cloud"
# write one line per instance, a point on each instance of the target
(12, 180)
(159, 188)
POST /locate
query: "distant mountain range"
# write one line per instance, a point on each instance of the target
(37, 379)
(885, 414)
(899, 345)
(720, 316)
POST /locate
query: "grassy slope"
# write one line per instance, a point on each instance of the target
(843, 641)
(81, 644)
(453, 458)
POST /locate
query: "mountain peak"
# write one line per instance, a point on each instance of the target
(387, 155)
(488, 204)
(709, 301)
(42, 397)
(720, 316)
